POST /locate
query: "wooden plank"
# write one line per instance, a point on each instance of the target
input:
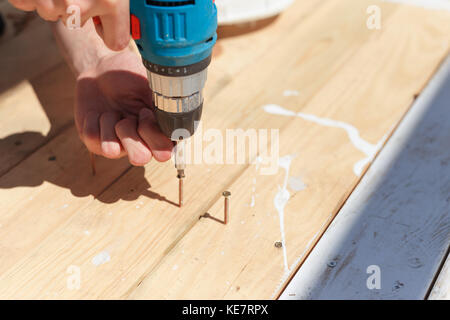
(397, 218)
(120, 250)
(441, 289)
(33, 112)
(36, 89)
(27, 54)
(54, 90)
(39, 107)
(45, 190)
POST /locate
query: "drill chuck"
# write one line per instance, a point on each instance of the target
(178, 96)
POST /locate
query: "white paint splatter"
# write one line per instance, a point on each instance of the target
(222, 253)
(253, 199)
(87, 232)
(252, 203)
(175, 267)
(290, 93)
(102, 258)
(370, 150)
(65, 206)
(296, 184)
(280, 201)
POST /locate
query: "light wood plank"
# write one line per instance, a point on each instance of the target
(33, 112)
(36, 89)
(55, 94)
(441, 289)
(397, 218)
(27, 54)
(140, 232)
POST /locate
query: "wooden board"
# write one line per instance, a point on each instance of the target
(397, 219)
(130, 241)
(441, 289)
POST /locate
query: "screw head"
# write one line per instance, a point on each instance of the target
(278, 244)
(332, 264)
(226, 194)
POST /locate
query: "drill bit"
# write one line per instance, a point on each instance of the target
(226, 208)
(180, 165)
(94, 171)
(180, 177)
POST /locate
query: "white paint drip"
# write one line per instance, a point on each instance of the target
(291, 93)
(370, 150)
(280, 201)
(252, 204)
(296, 184)
(102, 258)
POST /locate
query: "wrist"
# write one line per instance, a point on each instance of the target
(82, 48)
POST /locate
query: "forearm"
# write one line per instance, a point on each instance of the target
(82, 48)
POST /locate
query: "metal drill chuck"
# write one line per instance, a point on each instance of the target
(178, 96)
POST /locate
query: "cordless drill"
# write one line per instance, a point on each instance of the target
(175, 39)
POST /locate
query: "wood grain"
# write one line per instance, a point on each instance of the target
(341, 70)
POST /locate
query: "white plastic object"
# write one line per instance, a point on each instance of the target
(241, 11)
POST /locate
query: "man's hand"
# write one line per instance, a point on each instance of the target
(114, 16)
(112, 111)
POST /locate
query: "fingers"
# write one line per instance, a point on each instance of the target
(48, 10)
(115, 27)
(160, 145)
(138, 153)
(110, 144)
(107, 135)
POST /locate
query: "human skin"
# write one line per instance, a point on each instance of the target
(113, 98)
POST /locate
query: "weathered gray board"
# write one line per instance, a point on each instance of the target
(398, 218)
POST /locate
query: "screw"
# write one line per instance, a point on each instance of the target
(226, 212)
(180, 177)
(278, 244)
(92, 156)
(332, 264)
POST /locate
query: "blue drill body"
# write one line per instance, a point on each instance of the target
(175, 33)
